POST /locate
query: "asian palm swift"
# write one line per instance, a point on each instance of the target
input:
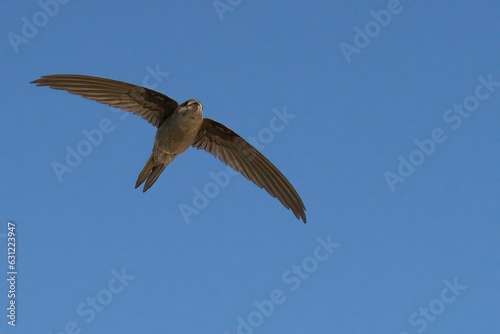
(180, 126)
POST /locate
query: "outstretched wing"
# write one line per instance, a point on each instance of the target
(154, 107)
(234, 151)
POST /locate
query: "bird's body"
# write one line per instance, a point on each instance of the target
(174, 136)
(179, 127)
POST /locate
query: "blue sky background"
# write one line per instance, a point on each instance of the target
(396, 252)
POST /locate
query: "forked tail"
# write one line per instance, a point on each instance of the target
(150, 173)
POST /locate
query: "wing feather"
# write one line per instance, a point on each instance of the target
(149, 104)
(231, 149)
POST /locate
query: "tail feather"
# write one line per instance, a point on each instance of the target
(155, 173)
(145, 171)
(151, 172)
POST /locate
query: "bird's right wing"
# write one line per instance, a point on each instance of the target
(154, 107)
(231, 149)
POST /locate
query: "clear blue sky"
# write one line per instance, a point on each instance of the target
(392, 141)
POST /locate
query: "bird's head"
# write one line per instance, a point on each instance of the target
(191, 107)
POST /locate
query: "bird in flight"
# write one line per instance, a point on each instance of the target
(179, 127)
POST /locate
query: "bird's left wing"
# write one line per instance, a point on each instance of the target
(154, 107)
(234, 151)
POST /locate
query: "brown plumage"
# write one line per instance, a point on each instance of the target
(181, 126)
